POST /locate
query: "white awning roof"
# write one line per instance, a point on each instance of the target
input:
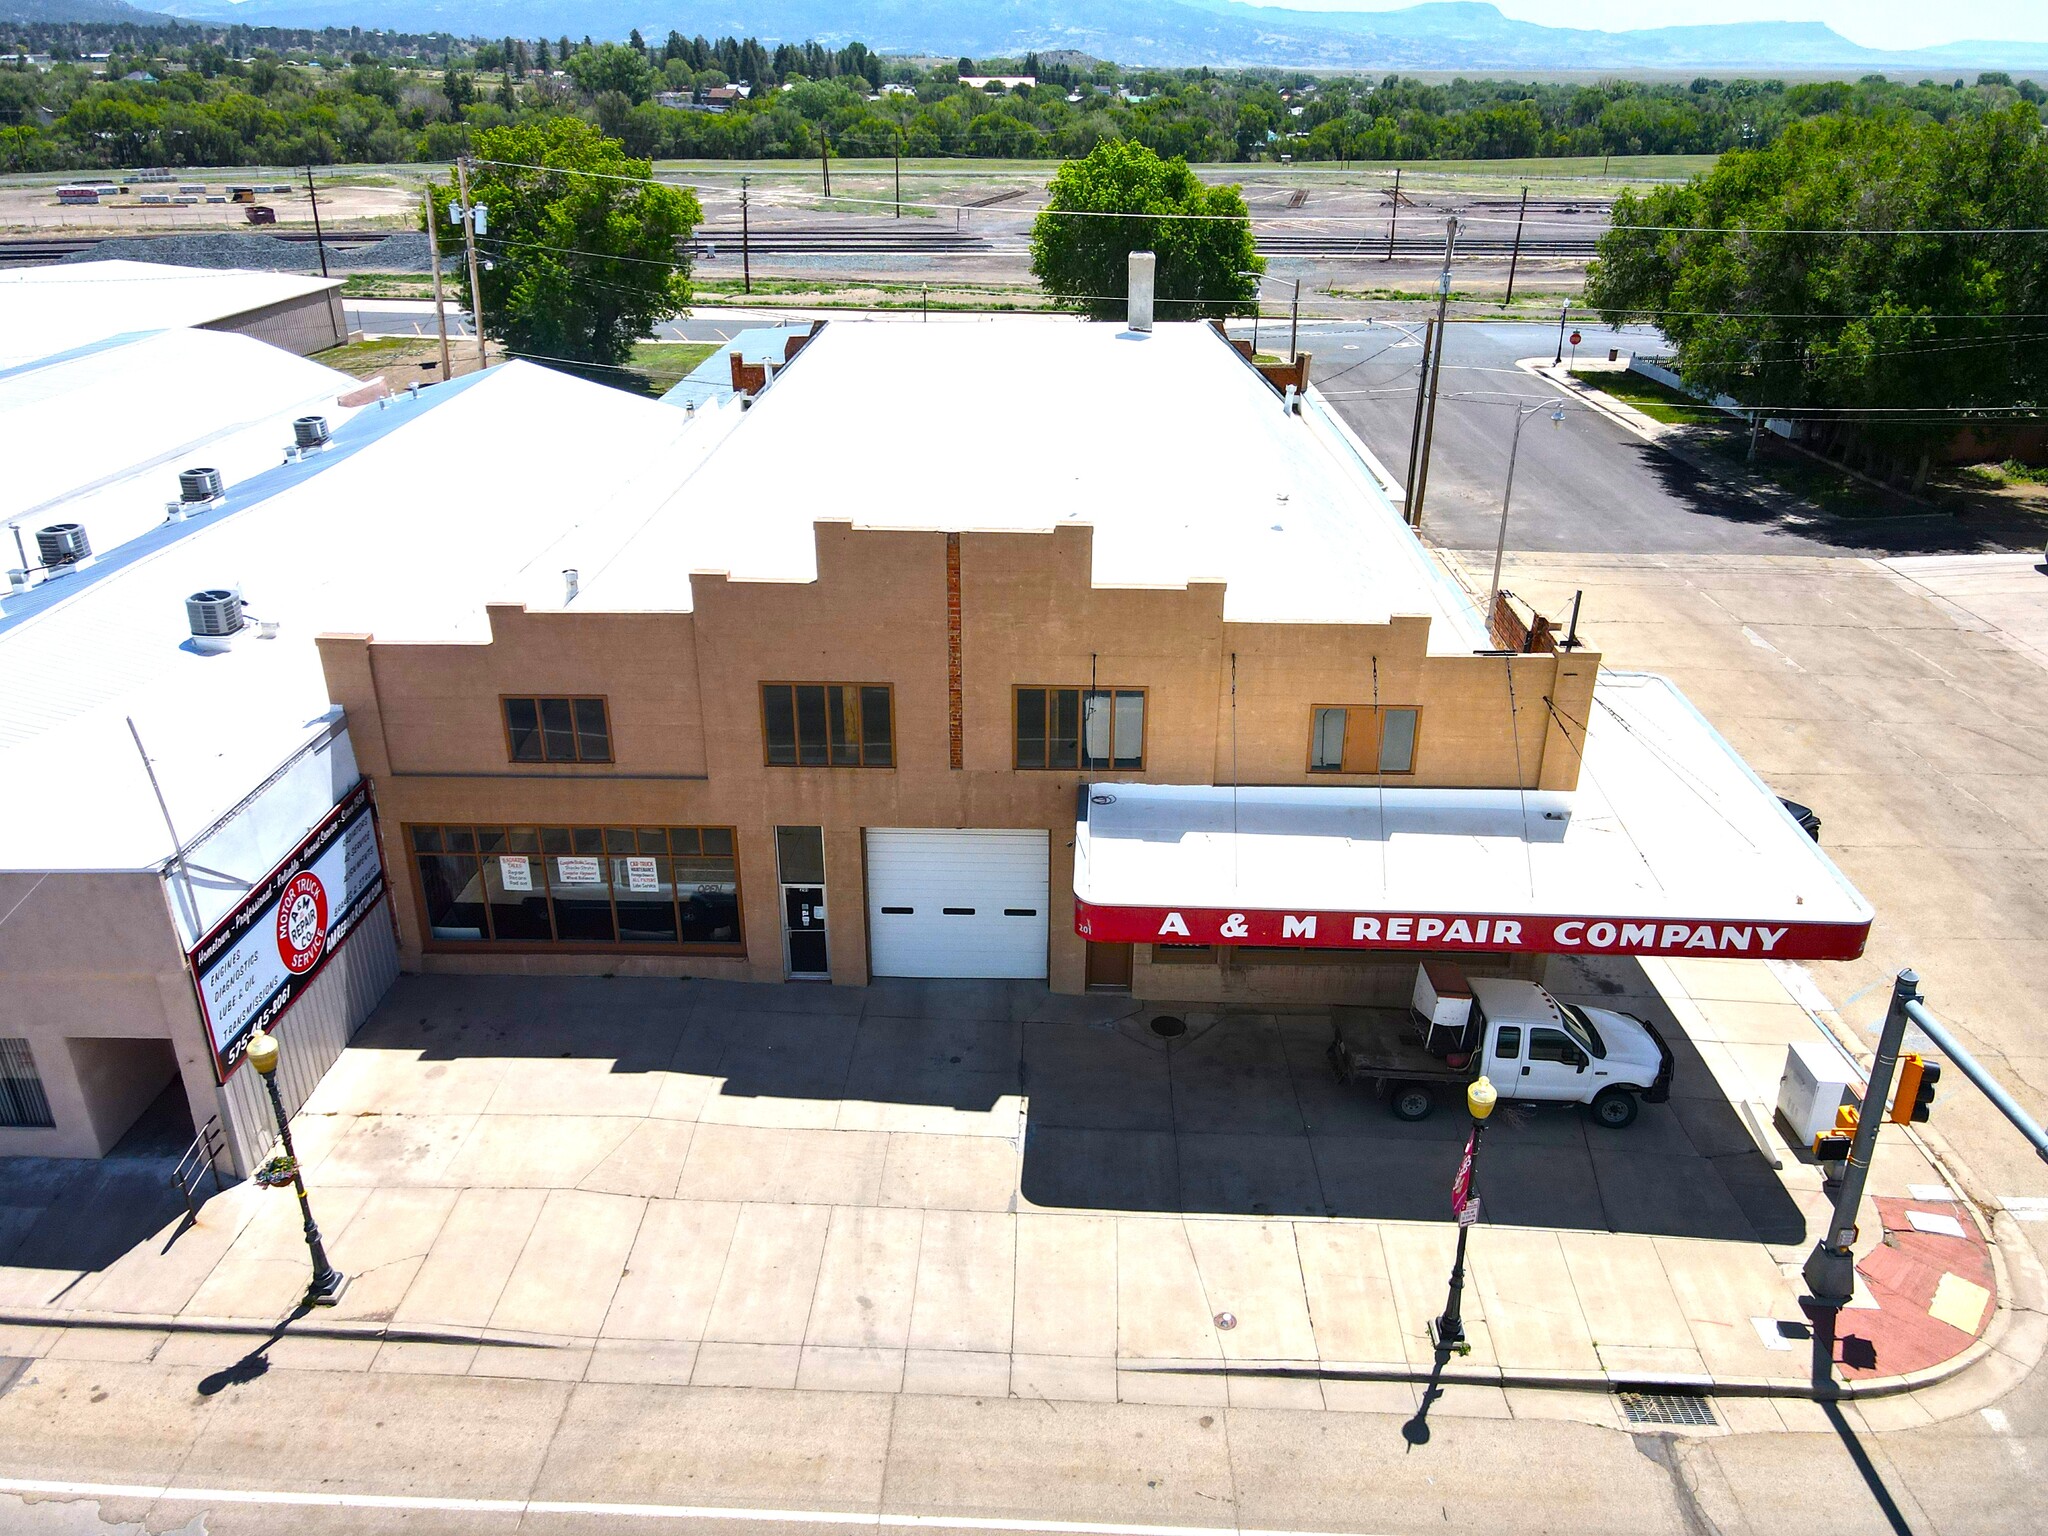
(1670, 845)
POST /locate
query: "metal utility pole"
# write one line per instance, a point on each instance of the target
(899, 174)
(1415, 431)
(1831, 1268)
(746, 249)
(476, 291)
(1420, 478)
(1394, 218)
(1515, 257)
(1294, 326)
(318, 239)
(1500, 548)
(434, 256)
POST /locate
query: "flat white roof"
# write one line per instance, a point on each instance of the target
(46, 310)
(1178, 454)
(422, 511)
(97, 435)
(1669, 832)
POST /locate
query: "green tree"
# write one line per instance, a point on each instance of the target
(581, 265)
(1202, 235)
(608, 67)
(1822, 273)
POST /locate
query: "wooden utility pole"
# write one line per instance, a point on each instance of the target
(746, 250)
(1515, 258)
(1415, 431)
(1419, 478)
(825, 158)
(1394, 217)
(476, 290)
(318, 239)
(1294, 326)
(434, 257)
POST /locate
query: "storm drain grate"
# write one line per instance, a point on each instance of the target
(1668, 1408)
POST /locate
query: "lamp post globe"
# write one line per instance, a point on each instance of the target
(262, 1053)
(1480, 1097)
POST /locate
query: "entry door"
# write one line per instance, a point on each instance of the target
(1556, 1068)
(800, 860)
(945, 902)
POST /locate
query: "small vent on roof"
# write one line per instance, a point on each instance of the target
(198, 484)
(310, 431)
(214, 614)
(62, 544)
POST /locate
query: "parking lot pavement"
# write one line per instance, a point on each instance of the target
(983, 1189)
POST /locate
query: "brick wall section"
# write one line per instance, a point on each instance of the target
(748, 378)
(955, 719)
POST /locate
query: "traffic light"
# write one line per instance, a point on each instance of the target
(1833, 1146)
(1914, 1099)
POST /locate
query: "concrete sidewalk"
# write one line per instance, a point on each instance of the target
(986, 1190)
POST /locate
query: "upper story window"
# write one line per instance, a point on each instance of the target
(552, 730)
(828, 725)
(1080, 728)
(1361, 739)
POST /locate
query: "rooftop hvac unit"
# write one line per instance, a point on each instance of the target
(62, 544)
(198, 484)
(214, 614)
(310, 431)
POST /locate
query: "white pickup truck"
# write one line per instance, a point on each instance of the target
(1532, 1047)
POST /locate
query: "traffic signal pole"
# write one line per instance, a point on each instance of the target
(1831, 1268)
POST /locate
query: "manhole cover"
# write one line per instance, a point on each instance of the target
(1668, 1408)
(1226, 1321)
(1169, 1027)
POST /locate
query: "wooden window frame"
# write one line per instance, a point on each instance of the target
(556, 946)
(1376, 732)
(602, 700)
(856, 721)
(1081, 764)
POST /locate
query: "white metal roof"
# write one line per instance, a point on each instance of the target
(1668, 824)
(100, 433)
(421, 511)
(45, 310)
(1176, 452)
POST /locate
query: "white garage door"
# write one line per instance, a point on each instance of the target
(947, 903)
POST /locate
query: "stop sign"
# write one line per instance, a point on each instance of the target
(1575, 338)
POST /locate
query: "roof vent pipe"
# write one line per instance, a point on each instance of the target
(309, 432)
(62, 544)
(1144, 266)
(214, 615)
(571, 580)
(198, 484)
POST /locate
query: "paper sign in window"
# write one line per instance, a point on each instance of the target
(641, 875)
(579, 871)
(515, 873)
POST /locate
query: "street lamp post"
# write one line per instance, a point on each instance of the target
(328, 1282)
(1563, 315)
(1447, 1333)
(1522, 414)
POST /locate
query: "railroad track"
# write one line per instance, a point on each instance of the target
(36, 251)
(826, 240)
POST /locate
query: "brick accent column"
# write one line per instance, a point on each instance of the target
(954, 718)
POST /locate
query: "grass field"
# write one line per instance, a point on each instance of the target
(1657, 401)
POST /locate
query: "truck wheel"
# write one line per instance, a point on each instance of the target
(1614, 1108)
(1411, 1101)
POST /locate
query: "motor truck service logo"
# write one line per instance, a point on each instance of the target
(260, 958)
(1469, 931)
(302, 923)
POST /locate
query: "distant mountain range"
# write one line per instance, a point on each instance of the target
(1450, 35)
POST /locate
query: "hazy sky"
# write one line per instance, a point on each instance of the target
(1873, 23)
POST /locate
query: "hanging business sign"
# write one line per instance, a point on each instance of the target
(258, 959)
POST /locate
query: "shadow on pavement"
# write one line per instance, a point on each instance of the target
(1242, 1115)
